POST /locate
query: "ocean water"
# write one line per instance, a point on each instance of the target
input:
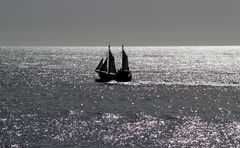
(179, 97)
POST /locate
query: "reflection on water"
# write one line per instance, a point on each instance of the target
(179, 97)
(116, 130)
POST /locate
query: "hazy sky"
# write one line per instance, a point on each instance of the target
(136, 22)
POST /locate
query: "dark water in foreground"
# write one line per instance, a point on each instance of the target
(180, 96)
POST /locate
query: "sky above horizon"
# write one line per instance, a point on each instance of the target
(136, 22)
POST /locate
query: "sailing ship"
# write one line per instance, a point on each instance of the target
(107, 69)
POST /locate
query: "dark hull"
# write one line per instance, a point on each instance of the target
(123, 76)
(120, 76)
(105, 77)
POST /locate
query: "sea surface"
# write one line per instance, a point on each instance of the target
(179, 97)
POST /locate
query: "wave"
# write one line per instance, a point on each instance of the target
(118, 130)
(141, 82)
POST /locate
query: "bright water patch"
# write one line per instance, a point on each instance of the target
(179, 97)
(104, 129)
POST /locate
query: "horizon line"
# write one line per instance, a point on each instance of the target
(121, 45)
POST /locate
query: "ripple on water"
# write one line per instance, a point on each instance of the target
(117, 130)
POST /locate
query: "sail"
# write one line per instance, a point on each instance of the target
(125, 66)
(100, 64)
(111, 66)
(104, 66)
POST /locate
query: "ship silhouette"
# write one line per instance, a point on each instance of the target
(107, 70)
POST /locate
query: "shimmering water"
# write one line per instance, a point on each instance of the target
(179, 96)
